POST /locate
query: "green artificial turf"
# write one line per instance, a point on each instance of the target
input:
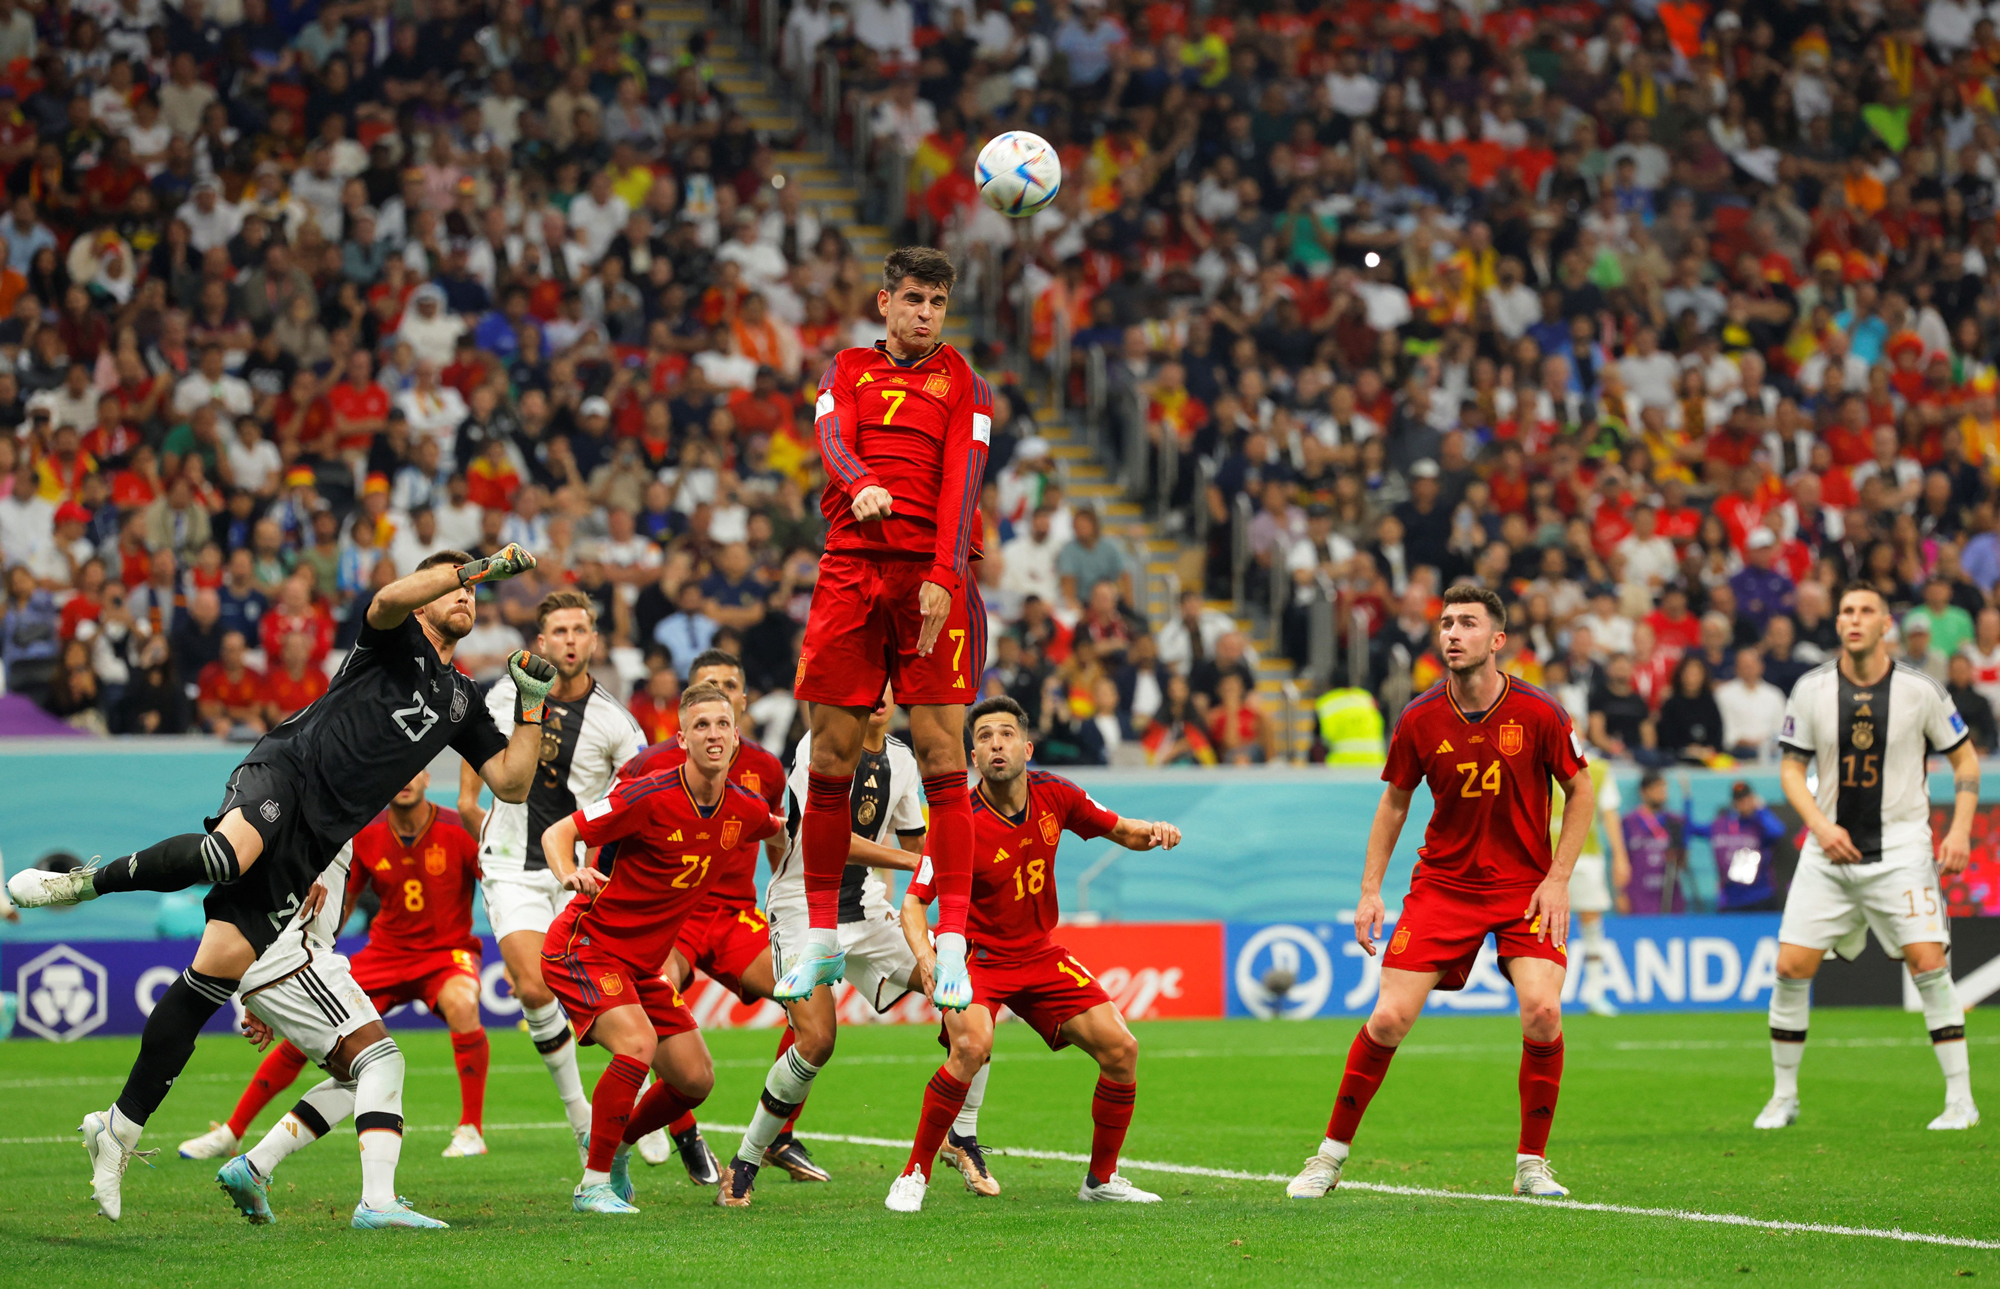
(1655, 1113)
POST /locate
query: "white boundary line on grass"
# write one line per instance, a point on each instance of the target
(1238, 1175)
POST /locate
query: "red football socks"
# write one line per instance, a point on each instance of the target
(1367, 1062)
(943, 1098)
(1541, 1083)
(1110, 1115)
(281, 1065)
(663, 1104)
(470, 1052)
(611, 1108)
(825, 830)
(950, 848)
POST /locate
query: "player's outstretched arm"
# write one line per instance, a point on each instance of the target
(511, 771)
(917, 930)
(1833, 840)
(469, 787)
(406, 595)
(1391, 813)
(1138, 834)
(559, 849)
(871, 854)
(1956, 852)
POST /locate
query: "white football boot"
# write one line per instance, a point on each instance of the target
(1320, 1175)
(465, 1142)
(907, 1194)
(1958, 1115)
(108, 1160)
(1778, 1112)
(1114, 1190)
(217, 1143)
(1533, 1176)
(34, 888)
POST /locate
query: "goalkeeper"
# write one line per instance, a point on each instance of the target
(302, 792)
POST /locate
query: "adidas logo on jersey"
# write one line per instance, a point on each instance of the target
(1444, 747)
(676, 836)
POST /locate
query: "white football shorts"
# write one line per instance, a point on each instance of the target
(525, 901)
(1589, 887)
(879, 961)
(1834, 906)
(315, 1004)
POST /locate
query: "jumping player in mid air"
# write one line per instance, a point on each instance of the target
(1867, 864)
(423, 866)
(903, 429)
(1489, 746)
(1018, 816)
(586, 735)
(726, 937)
(662, 839)
(299, 796)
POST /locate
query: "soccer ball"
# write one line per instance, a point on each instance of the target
(1018, 173)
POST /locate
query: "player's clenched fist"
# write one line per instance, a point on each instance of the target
(872, 503)
(533, 677)
(509, 561)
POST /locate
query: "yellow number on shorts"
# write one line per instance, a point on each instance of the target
(895, 399)
(413, 895)
(1477, 783)
(693, 869)
(1930, 902)
(958, 648)
(1074, 970)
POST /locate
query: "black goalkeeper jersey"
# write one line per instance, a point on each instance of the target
(390, 710)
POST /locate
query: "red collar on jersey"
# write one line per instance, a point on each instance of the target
(1506, 688)
(882, 347)
(411, 844)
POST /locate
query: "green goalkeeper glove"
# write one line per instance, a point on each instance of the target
(510, 561)
(533, 678)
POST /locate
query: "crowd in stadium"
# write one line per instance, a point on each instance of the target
(1659, 319)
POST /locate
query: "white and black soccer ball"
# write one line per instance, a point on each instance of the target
(1018, 173)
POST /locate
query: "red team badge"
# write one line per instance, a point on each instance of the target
(1512, 739)
(435, 861)
(751, 783)
(611, 984)
(1051, 830)
(1402, 938)
(938, 385)
(730, 832)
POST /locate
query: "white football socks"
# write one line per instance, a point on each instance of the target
(329, 1103)
(967, 1123)
(1334, 1150)
(785, 1089)
(1945, 1019)
(378, 1120)
(124, 1129)
(549, 1028)
(1791, 1011)
(822, 941)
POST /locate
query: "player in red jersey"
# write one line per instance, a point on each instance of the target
(423, 865)
(903, 431)
(1018, 816)
(661, 841)
(726, 936)
(1489, 746)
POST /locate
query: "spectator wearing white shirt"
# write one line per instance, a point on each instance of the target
(433, 409)
(761, 263)
(1753, 709)
(1651, 375)
(415, 540)
(420, 484)
(1611, 632)
(904, 117)
(211, 384)
(1028, 562)
(211, 221)
(598, 215)
(1649, 558)
(888, 27)
(1901, 477)
(254, 462)
(1350, 90)
(1513, 303)
(808, 24)
(432, 331)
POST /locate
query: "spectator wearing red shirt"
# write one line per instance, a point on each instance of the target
(360, 407)
(1672, 625)
(296, 681)
(88, 602)
(230, 693)
(295, 613)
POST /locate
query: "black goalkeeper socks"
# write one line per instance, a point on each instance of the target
(169, 1040)
(171, 865)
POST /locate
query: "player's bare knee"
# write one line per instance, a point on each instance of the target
(1919, 958)
(1541, 1020)
(1119, 1059)
(814, 1038)
(940, 756)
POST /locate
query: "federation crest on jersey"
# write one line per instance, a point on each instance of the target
(434, 861)
(1050, 828)
(939, 385)
(1511, 738)
(752, 781)
(1864, 735)
(611, 984)
(730, 832)
(270, 812)
(1401, 939)
(458, 703)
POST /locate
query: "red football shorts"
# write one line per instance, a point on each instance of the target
(722, 943)
(1044, 987)
(392, 977)
(863, 631)
(1442, 928)
(588, 984)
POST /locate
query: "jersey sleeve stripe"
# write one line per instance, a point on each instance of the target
(976, 603)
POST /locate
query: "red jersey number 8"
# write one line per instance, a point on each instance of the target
(413, 895)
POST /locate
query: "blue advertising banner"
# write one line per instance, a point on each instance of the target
(1299, 970)
(96, 987)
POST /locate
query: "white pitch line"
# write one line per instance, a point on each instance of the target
(1239, 1175)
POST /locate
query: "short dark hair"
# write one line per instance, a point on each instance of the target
(999, 704)
(567, 598)
(927, 264)
(1466, 593)
(453, 558)
(717, 658)
(1851, 587)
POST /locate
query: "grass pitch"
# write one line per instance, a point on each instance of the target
(1655, 1114)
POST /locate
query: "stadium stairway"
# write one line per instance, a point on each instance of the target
(829, 188)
